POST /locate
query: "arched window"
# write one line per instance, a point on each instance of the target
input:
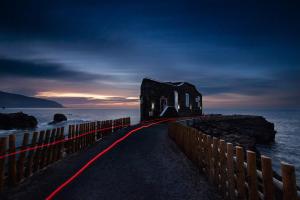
(176, 100)
(198, 101)
(187, 100)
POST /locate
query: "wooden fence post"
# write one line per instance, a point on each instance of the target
(102, 128)
(31, 154)
(202, 150)
(223, 166)
(289, 181)
(37, 156)
(200, 154)
(3, 144)
(12, 168)
(205, 153)
(99, 133)
(61, 144)
(84, 137)
(267, 176)
(69, 145)
(189, 143)
(77, 137)
(240, 173)
(210, 161)
(94, 132)
(252, 176)
(74, 139)
(183, 139)
(77, 129)
(81, 138)
(22, 157)
(114, 125)
(195, 146)
(43, 161)
(110, 125)
(56, 146)
(89, 129)
(230, 171)
(216, 160)
(51, 149)
(88, 135)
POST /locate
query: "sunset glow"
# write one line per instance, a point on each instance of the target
(51, 94)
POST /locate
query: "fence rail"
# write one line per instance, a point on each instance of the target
(47, 147)
(231, 169)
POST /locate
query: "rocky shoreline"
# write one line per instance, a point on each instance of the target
(243, 130)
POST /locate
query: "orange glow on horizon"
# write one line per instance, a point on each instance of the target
(108, 100)
(51, 94)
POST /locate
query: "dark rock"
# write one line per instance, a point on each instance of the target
(58, 117)
(17, 120)
(241, 130)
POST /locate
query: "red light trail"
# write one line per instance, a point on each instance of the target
(80, 171)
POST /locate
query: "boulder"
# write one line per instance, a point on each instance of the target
(58, 117)
(18, 120)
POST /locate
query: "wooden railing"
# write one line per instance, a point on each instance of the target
(47, 147)
(233, 170)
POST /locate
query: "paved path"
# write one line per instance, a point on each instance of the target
(147, 165)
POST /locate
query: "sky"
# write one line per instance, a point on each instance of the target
(239, 54)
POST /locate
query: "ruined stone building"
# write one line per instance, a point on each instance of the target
(169, 99)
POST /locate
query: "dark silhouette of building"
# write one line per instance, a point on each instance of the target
(169, 99)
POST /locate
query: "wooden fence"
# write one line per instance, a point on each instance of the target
(47, 147)
(231, 169)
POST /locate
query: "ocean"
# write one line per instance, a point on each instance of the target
(287, 124)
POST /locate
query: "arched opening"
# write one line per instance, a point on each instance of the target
(176, 100)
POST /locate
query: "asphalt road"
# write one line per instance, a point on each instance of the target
(147, 165)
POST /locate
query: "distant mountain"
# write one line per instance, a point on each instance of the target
(10, 100)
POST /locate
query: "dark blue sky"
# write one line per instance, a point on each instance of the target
(242, 54)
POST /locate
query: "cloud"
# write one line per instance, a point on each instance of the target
(45, 70)
(243, 49)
